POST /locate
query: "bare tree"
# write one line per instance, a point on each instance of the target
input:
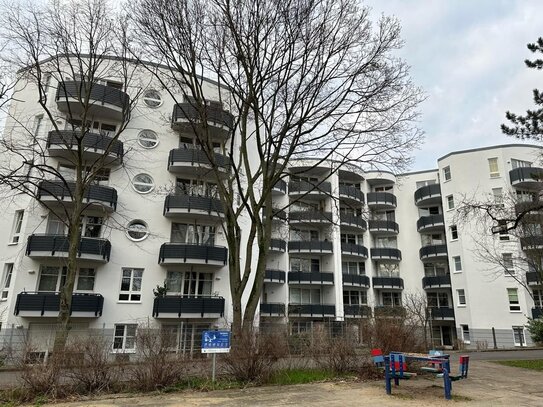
(418, 312)
(79, 45)
(300, 78)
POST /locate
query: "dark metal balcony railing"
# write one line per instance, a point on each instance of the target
(98, 93)
(433, 251)
(533, 278)
(430, 221)
(356, 279)
(67, 139)
(354, 249)
(312, 309)
(351, 192)
(182, 305)
(531, 242)
(214, 114)
(60, 243)
(441, 312)
(61, 191)
(193, 203)
(383, 282)
(427, 192)
(384, 225)
(185, 252)
(300, 277)
(537, 313)
(310, 216)
(278, 276)
(278, 244)
(523, 174)
(277, 214)
(350, 219)
(50, 301)
(436, 281)
(310, 245)
(269, 308)
(357, 310)
(302, 187)
(281, 186)
(195, 156)
(389, 311)
(386, 253)
(386, 198)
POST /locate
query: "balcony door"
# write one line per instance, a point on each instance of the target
(203, 235)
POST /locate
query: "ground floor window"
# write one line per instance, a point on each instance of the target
(518, 334)
(184, 338)
(442, 336)
(124, 339)
(465, 334)
(391, 298)
(300, 327)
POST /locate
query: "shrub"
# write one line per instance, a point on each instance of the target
(535, 327)
(336, 355)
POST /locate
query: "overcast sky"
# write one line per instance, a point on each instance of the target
(468, 55)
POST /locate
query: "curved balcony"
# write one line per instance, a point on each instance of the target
(311, 310)
(271, 309)
(351, 195)
(195, 161)
(183, 253)
(192, 206)
(428, 195)
(386, 253)
(278, 245)
(383, 227)
(386, 311)
(531, 243)
(533, 278)
(59, 194)
(64, 144)
(57, 246)
(380, 177)
(526, 177)
(436, 281)
(280, 187)
(309, 190)
(433, 252)
(106, 102)
(353, 249)
(356, 311)
(352, 222)
(309, 217)
(431, 224)
(320, 278)
(387, 282)
(47, 304)
(183, 306)
(274, 276)
(356, 280)
(278, 215)
(381, 200)
(220, 123)
(310, 246)
(442, 313)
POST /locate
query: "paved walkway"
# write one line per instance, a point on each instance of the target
(489, 384)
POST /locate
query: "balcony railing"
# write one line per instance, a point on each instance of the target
(48, 304)
(533, 278)
(383, 226)
(436, 281)
(314, 310)
(382, 199)
(354, 249)
(356, 280)
(441, 313)
(526, 175)
(180, 306)
(215, 115)
(437, 250)
(357, 311)
(191, 204)
(272, 309)
(300, 277)
(274, 276)
(278, 245)
(348, 219)
(303, 187)
(389, 311)
(430, 222)
(280, 186)
(387, 282)
(91, 142)
(531, 242)
(428, 194)
(196, 157)
(310, 217)
(537, 312)
(348, 191)
(313, 246)
(60, 191)
(192, 253)
(58, 245)
(386, 253)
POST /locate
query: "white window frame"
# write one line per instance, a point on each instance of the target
(90, 276)
(136, 183)
(447, 173)
(522, 332)
(461, 294)
(508, 264)
(61, 273)
(134, 226)
(497, 194)
(457, 260)
(17, 228)
(465, 329)
(123, 348)
(493, 167)
(7, 277)
(145, 136)
(454, 230)
(450, 202)
(132, 293)
(514, 306)
(155, 102)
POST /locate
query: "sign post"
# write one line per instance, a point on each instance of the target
(215, 342)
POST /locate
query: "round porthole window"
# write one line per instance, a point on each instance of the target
(152, 98)
(143, 183)
(137, 230)
(148, 139)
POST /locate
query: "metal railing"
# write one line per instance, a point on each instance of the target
(60, 243)
(213, 114)
(386, 253)
(50, 301)
(316, 277)
(433, 251)
(98, 93)
(180, 305)
(350, 219)
(441, 312)
(357, 311)
(375, 198)
(522, 174)
(278, 245)
(427, 192)
(351, 192)
(95, 141)
(356, 279)
(383, 282)
(533, 278)
(436, 281)
(430, 221)
(310, 216)
(61, 191)
(383, 225)
(308, 187)
(184, 251)
(272, 276)
(280, 186)
(310, 245)
(321, 310)
(354, 249)
(389, 311)
(272, 309)
(196, 156)
(193, 203)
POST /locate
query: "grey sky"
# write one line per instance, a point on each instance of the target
(468, 55)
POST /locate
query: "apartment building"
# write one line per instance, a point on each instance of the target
(347, 244)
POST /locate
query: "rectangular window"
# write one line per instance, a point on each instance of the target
(503, 232)
(538, 298)
(85, 279)
(507, 262)
(447, 173)
(174, 282)
(304, 295)
(125, 337)
(520, 163)
(131, 285)
(514, 304)
(197, 284)
(193, 234)
(457, 260)
(497, 194)
(493, 167)
(6, 280)
(465, 334)
(91, 226)
(51, 279)
(461, 297)
(55, 225)
(353, 297)
(518, 336)
(438, 299)
(391, 298)
(17, 227)
(38, 120)
(454, 232)
(304, 265)
(450, 202)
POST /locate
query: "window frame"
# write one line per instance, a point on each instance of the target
(521, 330)
(124, 338)
(455, 262)
(447, 176)
(461, 295)
(507, 259)
(450, 202)
(454, 231)
(146, 98)
(134, 296)
(135, 182)
(131, 224)
(7, 278)
(514, 305)
(465, 328)
(141, 136)
(17, 227)
(493, 167)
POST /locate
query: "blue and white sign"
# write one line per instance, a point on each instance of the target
(215, 341)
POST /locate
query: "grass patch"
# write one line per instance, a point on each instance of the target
(534, 364)
(301, 376)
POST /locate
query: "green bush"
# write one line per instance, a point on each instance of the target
(535, 327)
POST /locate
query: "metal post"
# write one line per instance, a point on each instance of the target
(494, 338)
(213, 371)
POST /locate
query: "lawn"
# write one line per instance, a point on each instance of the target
(534, 364)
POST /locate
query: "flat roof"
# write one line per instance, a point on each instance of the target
(472, 150)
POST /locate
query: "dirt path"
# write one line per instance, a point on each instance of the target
(489, 385)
